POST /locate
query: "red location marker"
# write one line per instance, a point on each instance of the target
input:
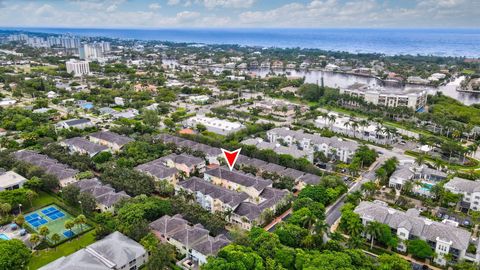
(231, 157)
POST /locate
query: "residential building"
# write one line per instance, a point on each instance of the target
(411, 173)
(363, 129)
(219, 126)
(62, 172)
(212, 154)
(159, 171)
(83, 146)
(185, 163)
(77, 67)
(115, 251)
(11, 180)
(334, 148)
(105, 196)
(469, 189)
(75, 123)
(443, 237)
(413, 98)
(192, 241)
(280, 149)
(261, 195)
(110, 139)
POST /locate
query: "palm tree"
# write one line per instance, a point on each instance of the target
(308, 221)
(355, 227)
(354, 126)
(373, 229)
(346, 125)
(44, 231)
(5, 208)
(20, 220)
(419, 160)
(55, 239)
(332, 118)
(34, 239)
(30, 194)
(354, 242)
(80, 220)
(69, 225)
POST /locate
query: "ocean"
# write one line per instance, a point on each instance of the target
(438, 42)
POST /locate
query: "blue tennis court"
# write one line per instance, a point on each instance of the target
(68, 234)
(55, 215)
(49, 210)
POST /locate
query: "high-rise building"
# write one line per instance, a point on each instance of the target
(79, 68)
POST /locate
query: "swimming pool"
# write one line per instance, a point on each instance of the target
(426, 187)
(4, 237)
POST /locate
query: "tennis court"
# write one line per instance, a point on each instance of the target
(54, 218)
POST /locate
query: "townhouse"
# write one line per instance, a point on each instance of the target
(212, 154)
(470, 191)
(83, 146)
(109, 139)
(62, 172)
(75, 123)
(334, 148)
(105, 196)
(443, 237)
(280, 149)
(115, 251)
(183, 162)
(192, 241)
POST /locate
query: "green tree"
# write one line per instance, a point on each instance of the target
(393, 262)
(70, 194)
(162, 257)
(44, 231)
(55, 239)
(80, 220)
(150, 118)
(14, 254)
(20, 220)
(69, 224)
(419, 249)
(374, 230)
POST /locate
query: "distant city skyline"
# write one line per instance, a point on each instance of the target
(241, 13)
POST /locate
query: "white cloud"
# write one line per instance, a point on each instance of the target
(228, 3)
(173, 2)
(154, 6)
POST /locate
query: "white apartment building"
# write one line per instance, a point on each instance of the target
(79, 68)
(334, 147)
(411, 98)
(469, 189)
(443, 237)
(219, 126)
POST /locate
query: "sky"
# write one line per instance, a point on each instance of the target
(241, 13)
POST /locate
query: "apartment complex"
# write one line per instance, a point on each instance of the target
(192, 241)
(444, 237)
(334, 148)
(78, 67)
(109, 139)
(105, 196)
(470, 191)
(219, 126)
(409, 172)
(415, 99)
(62, 172)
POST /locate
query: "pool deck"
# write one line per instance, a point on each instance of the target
(15, 234)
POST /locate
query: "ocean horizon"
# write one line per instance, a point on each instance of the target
(395, 41)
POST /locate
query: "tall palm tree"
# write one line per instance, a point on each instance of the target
(354, 126)
(34, 239)
(332, 118)
(44, 231)
(373, 229)
(80, 220)
(55, 239)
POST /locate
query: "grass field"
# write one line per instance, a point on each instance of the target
(46, 256)
(54, 218)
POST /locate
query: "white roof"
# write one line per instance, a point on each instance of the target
(11, 178)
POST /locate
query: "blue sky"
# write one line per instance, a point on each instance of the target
(241, 13)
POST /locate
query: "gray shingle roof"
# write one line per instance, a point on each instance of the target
(49, 165)
(157, 169)
(115, 248)
(103, 194)
(420, 226)
(240, 178)
(188, 160)
(85, 145)
(229, 197)
(462, 185)
(112, 137)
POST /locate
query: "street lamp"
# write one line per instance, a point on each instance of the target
(20, 208)
(81, 206)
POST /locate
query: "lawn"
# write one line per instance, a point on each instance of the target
(46, 256)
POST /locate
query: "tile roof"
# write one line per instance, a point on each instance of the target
(418, 226)
(246, 180)
(84, 145)
(49, 165)
(112, 137)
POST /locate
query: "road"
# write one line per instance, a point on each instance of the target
(333, 211)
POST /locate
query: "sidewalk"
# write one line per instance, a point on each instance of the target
(278, 219)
